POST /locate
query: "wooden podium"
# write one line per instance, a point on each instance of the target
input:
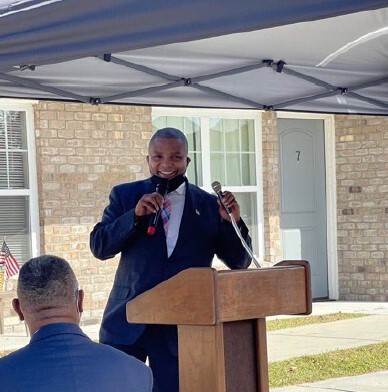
(220, 316)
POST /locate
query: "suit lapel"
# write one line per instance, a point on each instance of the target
(191, 212)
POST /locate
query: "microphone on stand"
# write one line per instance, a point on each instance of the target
(154, 218)
(218, 191)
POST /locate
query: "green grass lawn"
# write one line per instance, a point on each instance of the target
(298, 321)
(339, 363)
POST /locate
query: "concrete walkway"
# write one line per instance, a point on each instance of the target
(320, 338)
(307, 340)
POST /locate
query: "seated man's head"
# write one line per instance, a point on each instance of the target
(47, 293)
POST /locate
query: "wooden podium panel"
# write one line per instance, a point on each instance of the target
(229, 356)
(221, 321)
(201, 358)
(203, 296)
(246, 294)
(186, 298)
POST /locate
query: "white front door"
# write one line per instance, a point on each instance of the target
(303, 197)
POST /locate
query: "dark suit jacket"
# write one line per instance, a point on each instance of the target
(61, 358)
(144, 262)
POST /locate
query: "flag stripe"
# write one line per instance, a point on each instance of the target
(12, 267)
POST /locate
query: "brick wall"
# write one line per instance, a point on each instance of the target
(271, 196)
(82, 151)
(362, 202)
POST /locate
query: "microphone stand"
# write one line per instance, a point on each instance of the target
(245, 245)
(216, 185)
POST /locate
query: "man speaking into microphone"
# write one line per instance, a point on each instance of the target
(161, 226)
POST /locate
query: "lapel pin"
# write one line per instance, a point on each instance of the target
(197, 212)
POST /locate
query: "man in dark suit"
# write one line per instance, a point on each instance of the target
(198, 228)
(60, 357)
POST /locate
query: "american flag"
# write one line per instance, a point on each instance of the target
(12, 267)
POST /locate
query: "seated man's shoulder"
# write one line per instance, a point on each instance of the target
(13, 357)
(113, 354)
(131, 371)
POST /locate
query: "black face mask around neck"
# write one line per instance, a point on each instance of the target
(165, 186)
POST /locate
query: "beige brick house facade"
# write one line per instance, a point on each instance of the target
(83, 150)
(362, 201)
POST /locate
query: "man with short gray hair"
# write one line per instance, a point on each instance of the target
(60, 357)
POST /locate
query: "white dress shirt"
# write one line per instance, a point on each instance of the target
(177, 199)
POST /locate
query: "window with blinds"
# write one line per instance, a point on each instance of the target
(14, 225)
(14, 184)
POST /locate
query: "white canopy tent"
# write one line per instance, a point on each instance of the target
(320, 56)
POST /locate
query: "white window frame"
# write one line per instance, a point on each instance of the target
(32, 192)
(204, 115)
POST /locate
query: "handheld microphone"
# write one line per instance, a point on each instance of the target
(217, 189)
(153, 222)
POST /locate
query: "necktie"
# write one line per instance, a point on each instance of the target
(166, 212)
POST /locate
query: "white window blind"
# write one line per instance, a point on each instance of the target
(14, 184)
(13, 151)
(14, 225)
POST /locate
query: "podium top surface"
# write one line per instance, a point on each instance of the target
(205, 296)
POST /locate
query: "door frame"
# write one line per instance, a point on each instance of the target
(331, 193)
